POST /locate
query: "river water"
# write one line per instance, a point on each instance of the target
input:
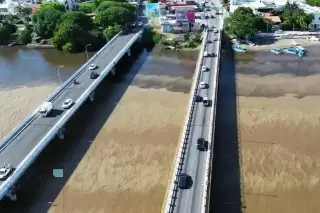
(129, 134)
(267, 136)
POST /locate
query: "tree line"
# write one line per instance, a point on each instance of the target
(243, 23)
(71, 31)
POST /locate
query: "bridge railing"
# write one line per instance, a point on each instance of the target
(28, 160)
(31, 117)
(209, 160)
(173, 186)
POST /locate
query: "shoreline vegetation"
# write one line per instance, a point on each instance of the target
(181, 42)
(69, 31)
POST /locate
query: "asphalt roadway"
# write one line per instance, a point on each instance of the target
(190, 200)
(21, 146)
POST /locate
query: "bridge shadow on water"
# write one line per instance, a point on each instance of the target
(226, 174)
(38, 184)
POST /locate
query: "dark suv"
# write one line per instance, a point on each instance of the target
(183, 181)
(202, 145)
(93, 75)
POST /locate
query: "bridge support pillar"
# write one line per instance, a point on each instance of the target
(91, 96)
(61, 133)
(129, 52)
(11, 194)
(113, 71)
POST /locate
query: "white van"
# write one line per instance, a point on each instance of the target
(45, 109)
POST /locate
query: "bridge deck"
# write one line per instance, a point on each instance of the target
(22, 145)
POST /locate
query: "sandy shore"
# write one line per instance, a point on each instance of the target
(17, 103)
(279, 122)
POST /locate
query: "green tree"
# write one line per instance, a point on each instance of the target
(153, 1)
(295, 18)
(74, 32)
(46, 20)
(7, 32)
(53, 5)
(114, 16)
(314, 2)
(98, 2)
(86, 7)
(25, 36)
(107, 4)
(243, 23)
(111, 31)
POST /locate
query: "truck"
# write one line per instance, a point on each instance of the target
(45, 109)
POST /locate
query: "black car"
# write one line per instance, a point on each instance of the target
(183, 181)
(212, 16)
(198, 98)
(94, 75)
(202, 144)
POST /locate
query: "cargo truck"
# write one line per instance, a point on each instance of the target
(45, 109)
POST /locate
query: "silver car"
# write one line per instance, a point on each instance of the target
(92, 66)
(67, 103)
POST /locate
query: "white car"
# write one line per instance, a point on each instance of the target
(5, 171)
(67, 103)
(203, 85)
(205, 53)
(215, 31)
(215, 39)
(92, 66)
(140, 24)
(204, 68)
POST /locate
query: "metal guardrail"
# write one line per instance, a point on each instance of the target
(31, 117)
(209, 160)
(20, 169)
(173, 188)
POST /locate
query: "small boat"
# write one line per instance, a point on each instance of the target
(277, 50)
(291, 50)
(238, 49)
(250, 43)
(301, 53)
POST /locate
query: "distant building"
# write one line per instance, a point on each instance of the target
(316, 13)
(68, 4)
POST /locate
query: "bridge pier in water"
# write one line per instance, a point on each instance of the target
(61, 133)
(11, 194)
(113, 71)
(129, 52)
(91, 96)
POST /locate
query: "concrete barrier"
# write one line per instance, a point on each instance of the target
(207, 183)
(172, 189)
(28, 160)
(31, 117)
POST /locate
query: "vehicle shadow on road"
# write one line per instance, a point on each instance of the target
(226, 175)
(38, 187)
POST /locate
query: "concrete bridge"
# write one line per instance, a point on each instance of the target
(199, 123)
(21, 147)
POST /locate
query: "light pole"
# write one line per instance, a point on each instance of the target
(87, 51)
(58, 70)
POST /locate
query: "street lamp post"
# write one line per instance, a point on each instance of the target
(87, 51)
(58, 70)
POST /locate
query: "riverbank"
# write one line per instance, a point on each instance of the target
(131, 150)
(278, 122)
(281, 43)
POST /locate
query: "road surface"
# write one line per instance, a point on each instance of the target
(21, 146)
(190, 200)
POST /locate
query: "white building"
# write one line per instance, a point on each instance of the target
(68, 4)
(7, 7)
(313, 10)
